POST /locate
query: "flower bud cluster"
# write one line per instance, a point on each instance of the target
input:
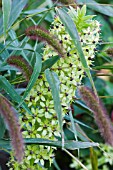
(43, 122)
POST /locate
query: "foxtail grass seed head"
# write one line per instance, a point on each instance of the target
(43, 122)
(9, 115)
(109, 51)
(100, 113)
(20, 63)
(67, 2)
(36, 32)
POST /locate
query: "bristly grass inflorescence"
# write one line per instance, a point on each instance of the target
(20, 63)
(100, 113)
(10, 117)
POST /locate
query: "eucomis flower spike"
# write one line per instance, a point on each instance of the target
(43, 122)
(70, 69)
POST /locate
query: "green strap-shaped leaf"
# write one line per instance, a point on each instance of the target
(72, 30)
(54, 83)
(94, 159)
(35, 74)
(5, 144)
(106, 10)
(3, 52)
(16, 10)
(82, 106)
(49, 62)
(4, 84)
(77, 121)
(56, 165)
(69, 144)
(5, 68)
(35, 11)
(13, 37)
(103, 67)
(6, 8)
(73, 125)
(2, 127)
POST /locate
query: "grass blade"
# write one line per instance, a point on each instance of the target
(73, 125)
(71, 144)
(6, 8)
(3, 52)
(54, 83)
(82, 106)
(4, 84)
(35, 74)
(16, 11)
(49, 62)
(78, 122)
(56, 165)
(94, 159)
(110, 67)
(2, 127)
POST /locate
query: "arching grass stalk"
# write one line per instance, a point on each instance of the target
(77, 160)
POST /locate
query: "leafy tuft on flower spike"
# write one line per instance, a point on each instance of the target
(36, 32)
(9, 115)
(100, 114)
(21, 64)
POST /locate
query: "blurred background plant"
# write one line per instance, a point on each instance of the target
(15, 17)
